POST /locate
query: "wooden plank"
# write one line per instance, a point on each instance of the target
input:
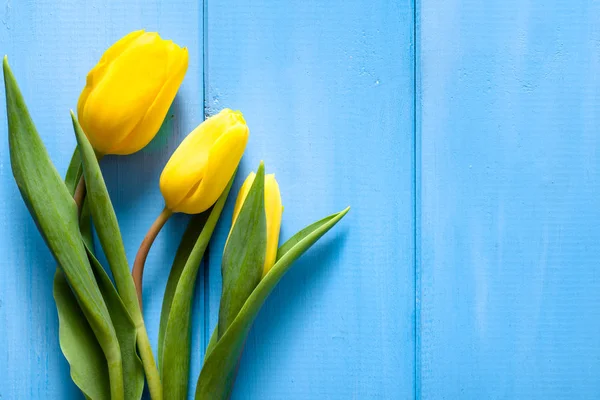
(510, 299)
(327, 90)
(51, 46)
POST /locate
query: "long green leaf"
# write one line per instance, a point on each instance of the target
(109, 235)
(85, 226)
(177, 337)
(77, 341)
(244, 253)
(184, 250)
(303, 233)
(74, 172)
(133, 372)
(283, 249)
(105, 221)
(218, 373)
(214, 339)
(56, 216)
(287, 246)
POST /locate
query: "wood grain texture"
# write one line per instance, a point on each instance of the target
(51, 45)
(509, 210)
(327, 90)
(492, 182)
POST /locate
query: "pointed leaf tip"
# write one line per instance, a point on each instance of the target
(244, 254)
(7, 71)
(54, 211)
(261, 169)
(79, 135)
(223, 353)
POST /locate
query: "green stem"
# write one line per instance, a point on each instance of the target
(114, 359)
(79, 194)
(150, 369)
(143, 342)
(175, 364)
(115, 375)
(144, 347)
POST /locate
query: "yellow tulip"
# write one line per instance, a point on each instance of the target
(201, 167)
(128, 93)
(273, 212)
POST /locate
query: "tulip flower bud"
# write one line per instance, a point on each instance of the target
(273, 212)
(203, 164)
(128, 93)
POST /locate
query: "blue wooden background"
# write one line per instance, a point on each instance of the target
(463, 133)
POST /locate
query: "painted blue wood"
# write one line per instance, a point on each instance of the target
(340, 133)
(51, 46)
(327, 90)
(506, 195)
(508, 199)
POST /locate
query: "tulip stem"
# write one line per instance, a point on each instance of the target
(142, 254)
(79, 193)
(143, 342)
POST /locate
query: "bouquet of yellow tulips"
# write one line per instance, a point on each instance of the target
(102, 331)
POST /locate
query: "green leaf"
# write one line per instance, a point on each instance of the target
(56, 216)
(218, 373)
(186, 245)
(74, 172)
(303, 233)
(133, 372)
(85, 225)
(287, 246)
(109, 235)
(77, 341)
(177, 336)
(244, 253)
(214, 339)
(105, 221)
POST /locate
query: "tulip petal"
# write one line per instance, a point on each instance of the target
(223, 159)
(130, 85)
(273, 210)
(85, 93)
(96, 73)
(120, 46)
(112, 53)
(145, 130)
(187, 166)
